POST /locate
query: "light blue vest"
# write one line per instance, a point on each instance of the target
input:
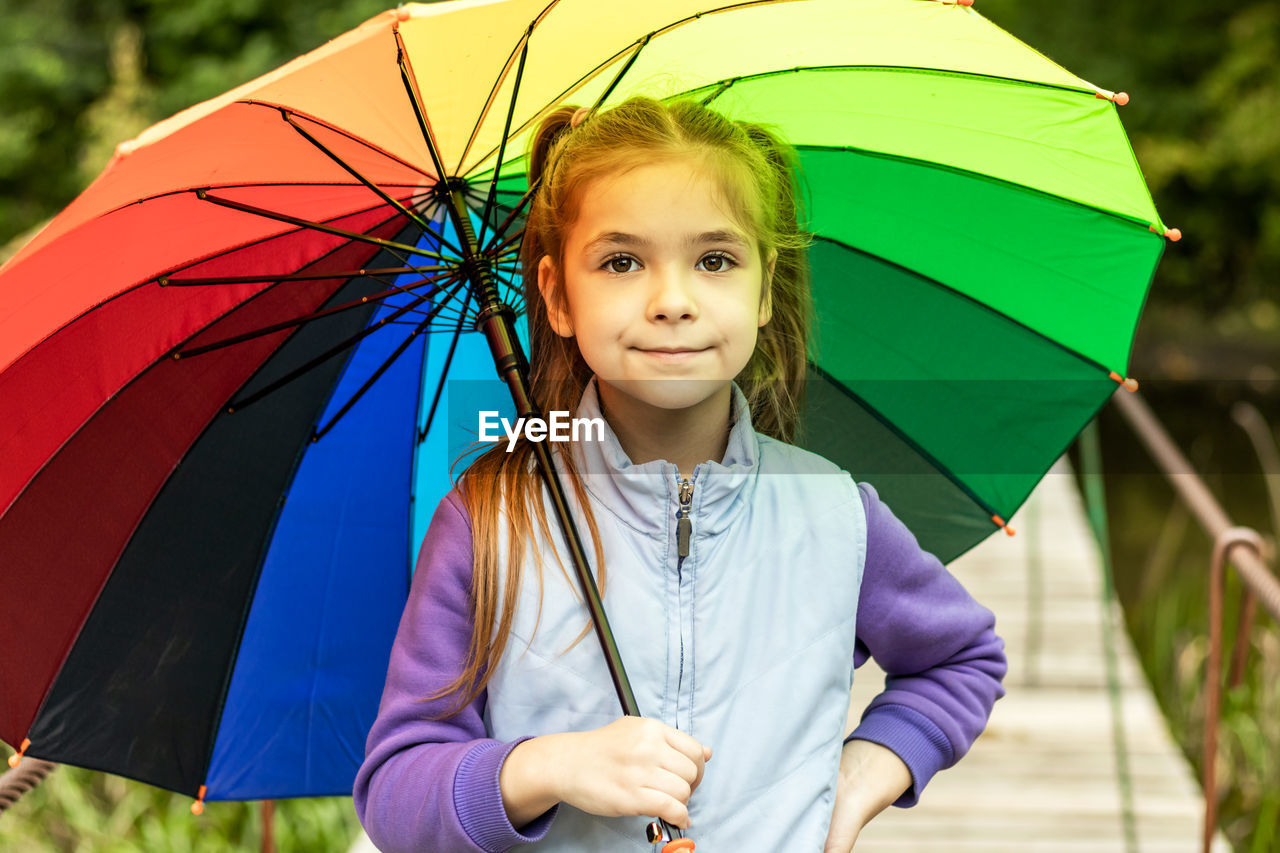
(746, 644)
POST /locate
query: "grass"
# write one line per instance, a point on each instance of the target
(90, 812)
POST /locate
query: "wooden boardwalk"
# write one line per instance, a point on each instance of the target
(1043, 776)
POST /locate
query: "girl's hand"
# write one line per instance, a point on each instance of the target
(633, 766)
(871, 778)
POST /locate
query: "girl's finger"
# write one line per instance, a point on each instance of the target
(681, 765)
(669, 784)
(685, 744)
(665, 806)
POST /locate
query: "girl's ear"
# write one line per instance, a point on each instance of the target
(549, 286)
(766, 295)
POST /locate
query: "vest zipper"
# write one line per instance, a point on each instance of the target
(684, 526)
(684, 531)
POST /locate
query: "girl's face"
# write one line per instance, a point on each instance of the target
(663, 288)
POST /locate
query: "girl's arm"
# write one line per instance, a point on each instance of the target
(424, 784)
(938, 647)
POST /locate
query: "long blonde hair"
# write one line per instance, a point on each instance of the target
(757, 175)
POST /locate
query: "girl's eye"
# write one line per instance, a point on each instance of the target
(717, 263)
(620, 264)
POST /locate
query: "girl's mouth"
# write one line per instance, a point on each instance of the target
(672, 354)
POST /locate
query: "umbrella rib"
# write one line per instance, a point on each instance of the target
(978, 303)
(356, 139)
(410, 81)
(720, 88)
(506, 223)
(444, 371)
(631, 60)
(521, 48)
(306, 318)
(509, 245)
(391, 245)
(377, 374)
(906, 439)
(165, 281)
(414, 216)
(502, 147)
(342, 346)
(633, 48)
(444, 192)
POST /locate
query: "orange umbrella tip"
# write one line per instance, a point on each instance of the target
(1000, 523)
(402, 14)
(124, 149)
(1172, 234)
(1117, 98)
(197, 808)
(1130, 384)
(16, 758)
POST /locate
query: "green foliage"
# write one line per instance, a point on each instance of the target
(53, 65)
(89, 812)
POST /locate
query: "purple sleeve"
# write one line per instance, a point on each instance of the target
(938, 647)
(433, 784)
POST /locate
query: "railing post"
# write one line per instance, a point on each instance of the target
(1223, 544)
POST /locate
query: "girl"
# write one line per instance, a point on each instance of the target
(746, 578)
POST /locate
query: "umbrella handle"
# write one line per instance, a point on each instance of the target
(659, 831)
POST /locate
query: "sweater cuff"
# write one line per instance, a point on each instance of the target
(913, 737)
(477, 796)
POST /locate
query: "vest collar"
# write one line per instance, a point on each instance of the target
(646, 496)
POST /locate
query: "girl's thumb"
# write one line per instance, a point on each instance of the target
(706, 753)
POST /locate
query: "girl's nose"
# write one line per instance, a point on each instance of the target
(672, 297)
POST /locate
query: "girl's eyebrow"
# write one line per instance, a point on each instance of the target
(718, 237)
(619, 238)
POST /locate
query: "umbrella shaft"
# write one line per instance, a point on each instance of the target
(496, 320)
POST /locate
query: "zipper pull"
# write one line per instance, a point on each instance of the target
(684, 526)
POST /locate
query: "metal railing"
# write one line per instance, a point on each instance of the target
(1241, 547)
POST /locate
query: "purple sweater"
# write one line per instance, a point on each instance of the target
(433, 785)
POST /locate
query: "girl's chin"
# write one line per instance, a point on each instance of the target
(670, 394)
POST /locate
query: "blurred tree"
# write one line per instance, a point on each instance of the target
(1204, 120)
(79, 76)
(53, 66)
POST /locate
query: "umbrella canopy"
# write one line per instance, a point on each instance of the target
(220, 379)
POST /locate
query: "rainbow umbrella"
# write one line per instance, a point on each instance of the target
(221, 367)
